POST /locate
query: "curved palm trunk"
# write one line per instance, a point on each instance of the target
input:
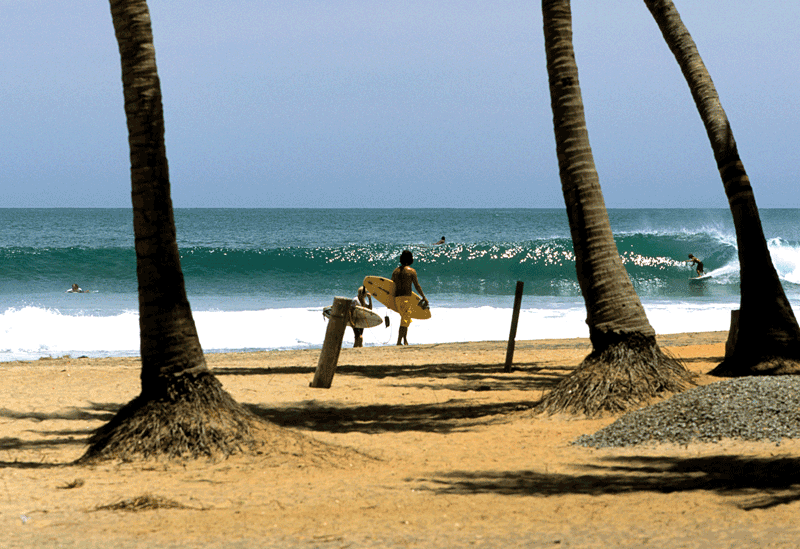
(768, 340)
(169, 342)
(626, 366)
(182, 408)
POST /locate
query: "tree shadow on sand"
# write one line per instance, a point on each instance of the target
(94, 412)
(762, 482)
(704, 359)
(440, 417)
(445, 417)
(460, 377)
(468, 377)
(52, 439)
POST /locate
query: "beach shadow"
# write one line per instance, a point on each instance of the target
(378, 371)
(63, 439)
(12, 444)
(32, 465)
(461, 377)
(464, 377)
(440, 417)
(94, 412)
(446, 417)
(714, 359)
(266, 371)
(762, 482)
(53, 438)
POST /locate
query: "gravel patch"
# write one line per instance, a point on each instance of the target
(751, 408)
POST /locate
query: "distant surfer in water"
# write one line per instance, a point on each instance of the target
(361, 301)
(75, 290)
(439, 243)
(403, 277)
(693, 260)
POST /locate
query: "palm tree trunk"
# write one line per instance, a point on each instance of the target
(626, 366)
(768, 340)
(169, 342)
(182, 409)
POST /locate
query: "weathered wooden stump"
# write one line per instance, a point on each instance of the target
(329, 357)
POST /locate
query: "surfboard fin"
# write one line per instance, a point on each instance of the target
(386, 320)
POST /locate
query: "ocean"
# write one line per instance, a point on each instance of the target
(257, 279)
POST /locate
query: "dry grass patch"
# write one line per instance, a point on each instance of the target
(145, 502)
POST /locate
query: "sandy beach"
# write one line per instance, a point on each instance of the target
(422, 446)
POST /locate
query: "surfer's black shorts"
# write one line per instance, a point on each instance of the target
(358, 331)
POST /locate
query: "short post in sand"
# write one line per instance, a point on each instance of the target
(329, 357)
(733, 333)
(514, 320)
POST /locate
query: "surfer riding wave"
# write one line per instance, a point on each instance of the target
(693, 260)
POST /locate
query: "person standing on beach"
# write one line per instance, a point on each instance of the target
(403, 277)
(361, 301)
(693, 260)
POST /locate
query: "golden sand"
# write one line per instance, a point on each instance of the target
(432, 446)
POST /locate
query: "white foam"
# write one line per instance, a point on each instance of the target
(675, 318)
(31, 332)
(786, 259)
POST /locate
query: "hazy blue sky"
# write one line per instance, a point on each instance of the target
(392, 104)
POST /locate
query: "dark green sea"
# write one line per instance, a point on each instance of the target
(258, 278)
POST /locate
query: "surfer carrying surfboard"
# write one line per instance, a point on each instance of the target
(404, 277)
(693, 260)
(361, 301)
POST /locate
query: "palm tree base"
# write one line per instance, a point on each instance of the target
(193, 417)
(625, 374)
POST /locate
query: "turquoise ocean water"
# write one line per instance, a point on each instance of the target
(258, 279)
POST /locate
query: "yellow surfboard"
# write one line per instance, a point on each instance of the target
(382, 289)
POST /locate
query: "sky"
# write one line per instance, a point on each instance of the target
(377, 103)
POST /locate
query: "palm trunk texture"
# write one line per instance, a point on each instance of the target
(626, 366)
(768, 338)
(182, 409)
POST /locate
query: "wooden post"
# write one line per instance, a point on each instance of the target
(514, 319)
(733, 333)
(329, 357)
